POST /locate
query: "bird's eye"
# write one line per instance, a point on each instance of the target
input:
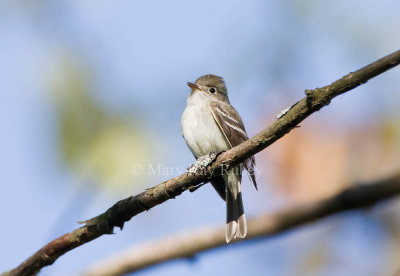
(212, 90)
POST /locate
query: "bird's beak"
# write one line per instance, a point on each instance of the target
(193, 86)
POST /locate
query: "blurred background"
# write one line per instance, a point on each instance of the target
(92, 94)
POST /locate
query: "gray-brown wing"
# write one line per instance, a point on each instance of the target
(232, 127)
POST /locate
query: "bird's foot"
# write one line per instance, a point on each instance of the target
(202, 162)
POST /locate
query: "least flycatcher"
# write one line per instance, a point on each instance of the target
(211, 124)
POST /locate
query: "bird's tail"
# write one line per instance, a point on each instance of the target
(236, 225)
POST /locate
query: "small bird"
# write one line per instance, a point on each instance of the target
(210, 124)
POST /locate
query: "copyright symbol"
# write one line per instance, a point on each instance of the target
(136, 169)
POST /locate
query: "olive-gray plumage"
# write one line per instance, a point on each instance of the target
(211, 124)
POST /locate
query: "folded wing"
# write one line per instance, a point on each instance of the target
(232, 127)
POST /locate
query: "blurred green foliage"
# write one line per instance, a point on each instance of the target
(98, 145)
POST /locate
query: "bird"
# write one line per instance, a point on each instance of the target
(211, 124)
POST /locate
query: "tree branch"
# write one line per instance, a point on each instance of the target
(190, 243)
(125, 209)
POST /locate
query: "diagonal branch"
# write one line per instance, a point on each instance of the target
(125, 209)
(190, 243)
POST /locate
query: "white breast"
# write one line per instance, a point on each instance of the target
(202, 134)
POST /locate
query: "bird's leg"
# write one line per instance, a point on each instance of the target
(202, 162)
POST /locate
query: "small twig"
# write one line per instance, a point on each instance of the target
(283, 112)
(194, 188)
